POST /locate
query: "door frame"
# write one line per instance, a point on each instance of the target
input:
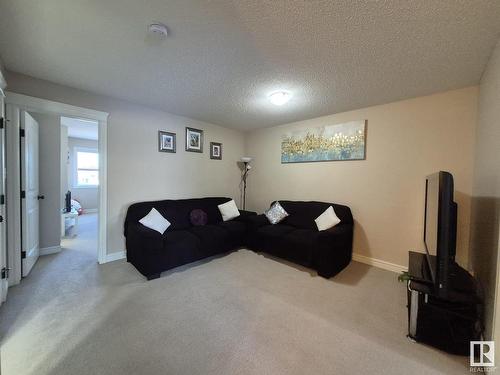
(4, 286)
(14, 103)
(32, 253)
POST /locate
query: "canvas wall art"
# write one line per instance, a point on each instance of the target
(346, 141)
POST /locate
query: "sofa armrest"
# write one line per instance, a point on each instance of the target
(334, 250)
(336, 231)
(144, 231)
(140, 236)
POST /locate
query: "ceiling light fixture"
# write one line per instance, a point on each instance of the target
(279, 97)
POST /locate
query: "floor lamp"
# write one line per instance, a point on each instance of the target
(246, 165)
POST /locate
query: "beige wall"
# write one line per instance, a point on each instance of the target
(136, 170)
(88, 197)
(486, 192)
(406, 141)
(50, 177)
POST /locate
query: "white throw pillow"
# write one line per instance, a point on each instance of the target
(154, 220)
(276, 213)
(327, 219)
(229, 210)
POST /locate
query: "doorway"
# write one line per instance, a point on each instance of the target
(79, 183)
(4, 269)
(49, 198)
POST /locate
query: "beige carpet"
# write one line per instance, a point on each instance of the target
(242, 313)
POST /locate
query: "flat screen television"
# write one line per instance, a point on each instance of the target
(67, 202)
(440, 228)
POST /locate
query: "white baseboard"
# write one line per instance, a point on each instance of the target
(111, 257)
(379, 263)
(90, 210)
(50, 250)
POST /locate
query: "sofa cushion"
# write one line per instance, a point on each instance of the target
(327, 219)
(236, 230)
(269, 238)
(177, 211)
(276, 213)
(303, 214)
(214, 239)
(276, 230)
(198, 217)
(228, 210)
(155, 221)
(181, 247)
(299, 244)
(209, 205)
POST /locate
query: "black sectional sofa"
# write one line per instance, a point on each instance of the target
(152, 253)
(296, 238)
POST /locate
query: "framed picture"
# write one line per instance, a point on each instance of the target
(346, 141)
(194, 140)
(166, 142)
(215, 150)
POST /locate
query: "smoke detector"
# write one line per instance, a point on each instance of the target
(158, 29)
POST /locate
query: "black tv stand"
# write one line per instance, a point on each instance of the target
(447, 321)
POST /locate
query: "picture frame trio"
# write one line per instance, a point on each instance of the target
(193, 140)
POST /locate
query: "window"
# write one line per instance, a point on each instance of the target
(87, 167)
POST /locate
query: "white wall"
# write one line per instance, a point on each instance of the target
(3, 83)
(50, 177)
(136, 170)
(406, 141)
(88, 197)
(486, 194)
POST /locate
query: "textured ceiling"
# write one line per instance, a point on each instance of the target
(222, 58)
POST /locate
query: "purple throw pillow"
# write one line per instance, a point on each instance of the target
(198, 217)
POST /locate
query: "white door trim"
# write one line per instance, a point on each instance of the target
(38, 105)
(4, 286)
(13, 192)
(103, 189)
(32, 104)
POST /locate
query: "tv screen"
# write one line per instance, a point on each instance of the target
(431, 213)
(67, 202)
(440, 227)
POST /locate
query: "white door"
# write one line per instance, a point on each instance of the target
(3, 243)
(30, 208)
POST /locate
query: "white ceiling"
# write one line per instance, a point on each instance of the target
(81, 128)
(222, 58)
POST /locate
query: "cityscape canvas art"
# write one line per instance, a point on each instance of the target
(346, 141)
